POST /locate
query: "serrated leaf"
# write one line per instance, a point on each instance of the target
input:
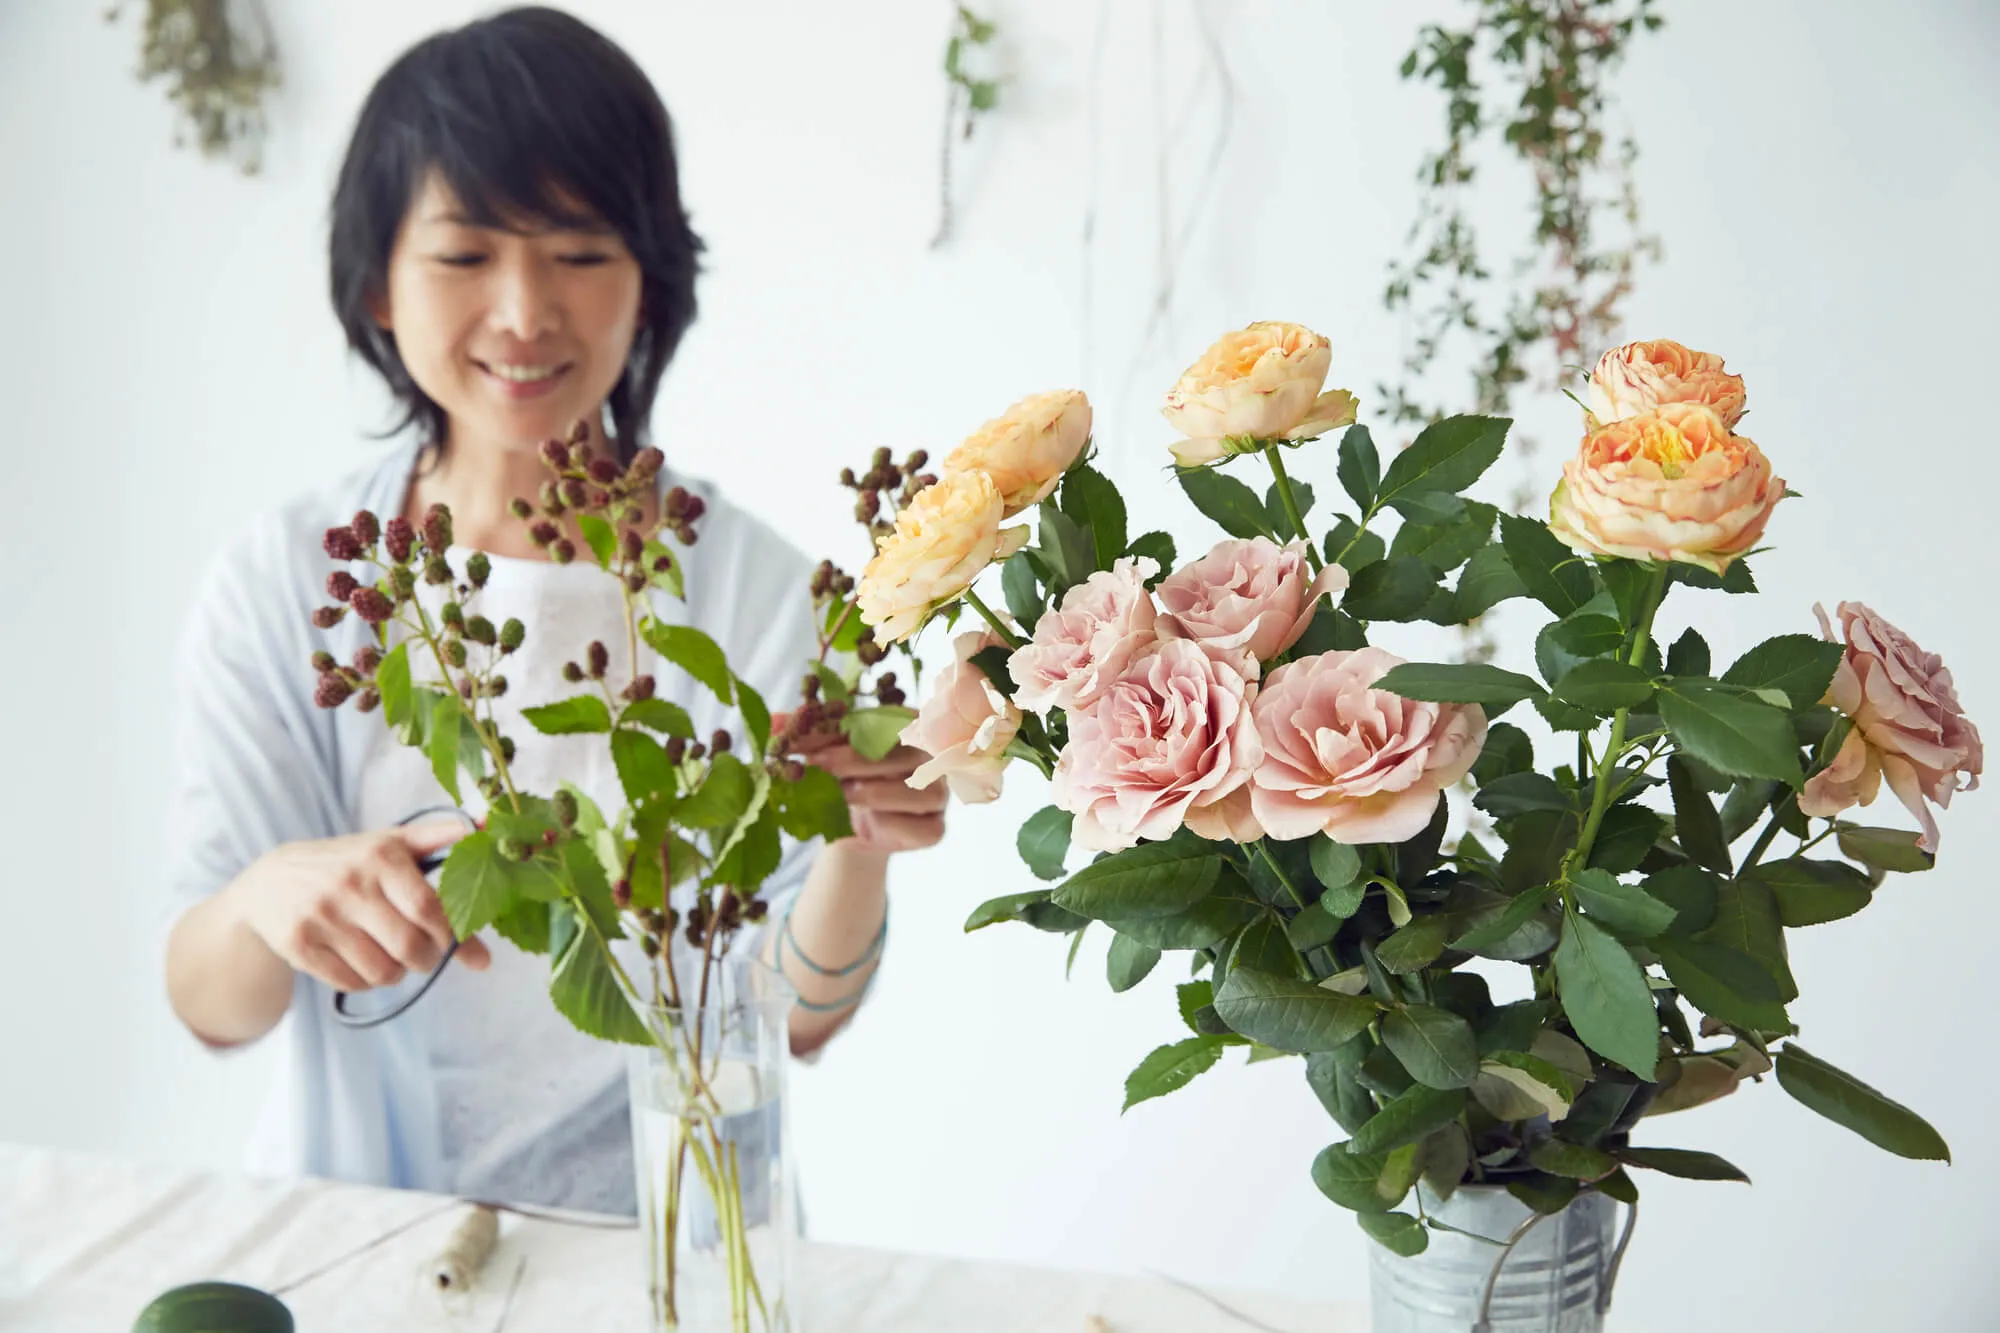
(693, 652)
(1447, 455)
(1553, 574)
(667, 718)
(1730, 733)
(586, 992)
(723, 797)
(1624, 908)
(1810, 892)
(1487, 580)
(392, 682)
(441, 737)
(1360, 470)
(812, 807)
(576, 715)
(1232, 505)
(1883, 848)
(1800, 666)
(1695, 821)
(1688, 656)
(1093, 503)
(597, 534)
(1603, 686)
(874, 732)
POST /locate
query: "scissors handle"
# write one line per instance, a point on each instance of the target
(427, 864)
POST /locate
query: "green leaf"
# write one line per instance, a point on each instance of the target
(1290, 1014)
(1360, 471)
(1491, 930)
(1487, 580)
(1067, 544)
(1604, 686)
(1171, 1068)
(1397, 588)
(1799, 665)
(1416, 945)
(1543, 1192)
(1682, 1162)
(1350, 1179)
(1735, 579)
(1202, 926)
(1573, 1160)
(525, 925)
(1624, 908)
(477, 884)
(1565, 644)
(1448, 455)
(669, 719)
(1846, 1100)
(1430, 508)
(1331, 1076)
(1024, 597)
(1809, 892)
(1628, 582)
(1730, 733)
(1435, 1045)
(573, 716)
(1274, 509)
(1459, 683)
(1695, 820)
(692, 651)
(756, 718)
(1128, 962)
(874, 732)
(644, 770)
(1157, 545)
(1692, 892)
(1399, 1233)
(585, 990)
(1044, 841)
(1883, 848)
(1334, 864)
(1517, 793)
(1724, 983)
(1688, 656)
(1233, 506)
(1006, 908)
(1264, 946)
(1507, 750)
(441, 743)
(722, 798)
(1625, 838)
(602, 540)
(1352, 548)
(1553, 574)
(669, 579)
(812, 807)
(755, 855)
(1152, 879)
(1446, 546)
(1408, 1118)
(1606, 997)
(1746, 920)
(1095, 504)
(392, 682)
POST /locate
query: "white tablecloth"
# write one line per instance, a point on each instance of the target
(86, 1242)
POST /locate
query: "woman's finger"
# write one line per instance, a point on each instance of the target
(366, 958)
(325, 965)
(844, 763)
(413, 897)
(472, 951)
(901, 833)
(896, 797)
(400, 938)
(431, 835)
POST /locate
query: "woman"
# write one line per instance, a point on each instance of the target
(510, 253)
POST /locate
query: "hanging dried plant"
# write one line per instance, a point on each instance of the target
(219, 59)
(970, 98)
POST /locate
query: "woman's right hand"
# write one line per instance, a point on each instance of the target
(355, 912)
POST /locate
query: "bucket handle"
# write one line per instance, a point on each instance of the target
(1484, 1324)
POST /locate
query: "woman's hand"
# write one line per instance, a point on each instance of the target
(888, 814)
(355, 912)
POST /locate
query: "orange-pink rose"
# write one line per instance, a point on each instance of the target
(1165, 745)
(1642, 377)
(1246, 601)
(1908, 726)
(1353, 762)
(1027, 449)
(964, 726)
(1673, 484)
(1082, 646)
(944, 538)
(1262, 382)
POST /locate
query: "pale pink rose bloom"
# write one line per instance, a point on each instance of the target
(1246, 601)
(964, 726)
(944, 539)
(1355, 763)
(1169, 739)
(1027, 449)
(1262, 382)
(1673, 484)
(1640, 377)
(1081, 647)
(1908, 726)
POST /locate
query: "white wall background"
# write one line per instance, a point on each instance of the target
(1824, 175)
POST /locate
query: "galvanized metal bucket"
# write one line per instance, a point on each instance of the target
(1532, 1274)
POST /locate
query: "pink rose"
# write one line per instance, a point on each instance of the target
(1641, 377)
(1080, 648)
(1169, 741)
(1245, 601)
(964, 726)
(1908, 726)
(1355, 763)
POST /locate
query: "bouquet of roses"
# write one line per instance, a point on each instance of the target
(1265, 787)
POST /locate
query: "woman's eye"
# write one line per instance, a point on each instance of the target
(466, 259)
(586, 259)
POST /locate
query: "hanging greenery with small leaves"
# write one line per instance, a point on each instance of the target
(219, 59)
(1538, 72)
(970, 97)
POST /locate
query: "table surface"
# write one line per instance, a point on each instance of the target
(86, 1242)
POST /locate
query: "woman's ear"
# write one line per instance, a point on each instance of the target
(378, 310)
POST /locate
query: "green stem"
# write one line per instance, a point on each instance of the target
(1279, 871)
(1007, 636)
(1763, 842)
(1600, 799)
(1290, 502)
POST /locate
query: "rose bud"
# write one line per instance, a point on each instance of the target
(556, 454)
(323, 662)
(603, 471)
(511, 635)
(398, 536)
(520, 508)
(480, 630)
(326, 617)
(599, 658)
(366, 659)
(563, 551)
(477, 569)
(572, 673)
(332, 691)
(454, 652)
(342, 544)
(371, 605)
(564, 805)
(340, 585)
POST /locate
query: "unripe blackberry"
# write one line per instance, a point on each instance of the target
(556, 454)
(847, 477)
(564, 805)
(370, 699)
(521, 508)
(635, 582)
(603, 471)
(599, 659)
(480, 630)
(512, 634)
(641, 687)
(452, 615)
(437, 572)
(342, 544)
(621, 894)
(507, 748)
(650, 946)
(324, 662)
(648, 462)
(720, 741)
(514, 849)
(563, 551)
(454, 652)
(496, 687)
(477, 569)
(544, 533)
(634, 545)
(402, 583)
(676, 749)
(340, 585)
(371, 605)
(366, 528)
(552, 502)
(398, 537)
(326, 617)
(332, 691)
(574, 493)
(795, 770)
(437, 528)
(572, 673)
(367, 658)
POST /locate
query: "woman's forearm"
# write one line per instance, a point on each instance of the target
(224, 983)
(839, 911)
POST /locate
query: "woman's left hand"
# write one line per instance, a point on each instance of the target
(888, 814)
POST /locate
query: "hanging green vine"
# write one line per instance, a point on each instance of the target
(1539, 71)
(219, 59)
(969, 98)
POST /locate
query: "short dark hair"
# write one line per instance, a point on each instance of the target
(529, 115)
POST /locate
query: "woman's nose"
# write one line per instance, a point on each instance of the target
(525, 305)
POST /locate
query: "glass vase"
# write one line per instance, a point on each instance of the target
(710, 1146)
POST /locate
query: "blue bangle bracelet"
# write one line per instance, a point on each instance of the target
(871, 954)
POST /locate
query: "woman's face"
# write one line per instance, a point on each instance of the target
(516, 334)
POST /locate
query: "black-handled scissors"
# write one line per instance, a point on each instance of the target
(428, 864)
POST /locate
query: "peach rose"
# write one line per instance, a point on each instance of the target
(1246, 601)
(1262, 382)
(964, 726)
(1673, 484)
(1027, 450)
(1355, 763)
(1638, 378)
(1167, 743)
(943, 539)
(1908, 726)
(1080, 648)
